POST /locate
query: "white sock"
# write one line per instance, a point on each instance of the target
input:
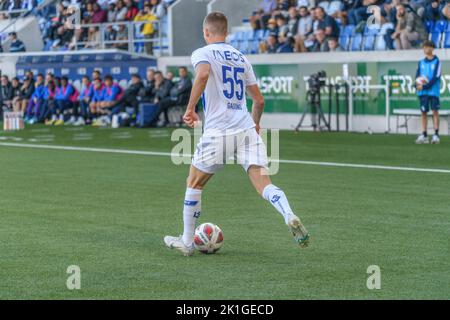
(61, 117)
(191, 212)
(278, 199)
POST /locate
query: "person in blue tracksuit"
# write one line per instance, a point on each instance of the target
(428, 84)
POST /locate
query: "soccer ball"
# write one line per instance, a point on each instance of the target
(421, 80)
(208, 238)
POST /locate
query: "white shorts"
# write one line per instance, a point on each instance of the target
(245, 148)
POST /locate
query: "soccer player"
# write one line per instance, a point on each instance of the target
(222, 76)
(428, 91)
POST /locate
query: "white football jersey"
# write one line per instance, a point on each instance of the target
(224, 101)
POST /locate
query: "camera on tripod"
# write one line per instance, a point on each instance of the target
(316, 81)
(313, 107)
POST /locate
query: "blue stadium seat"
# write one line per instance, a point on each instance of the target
(447, 40)
(437, 32)
(259, 34)
(369, 42)
(250, 35)
(440, 26)
(324, 5)
(349, 30)
(344, 41)
(244, 47)
(436, 38)
(239, 36)
(429, 24)
(356, 42)
(380, 43)
(254, 49)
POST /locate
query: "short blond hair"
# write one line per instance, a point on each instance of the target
(216, 23)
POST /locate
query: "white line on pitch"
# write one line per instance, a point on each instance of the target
(168, 154)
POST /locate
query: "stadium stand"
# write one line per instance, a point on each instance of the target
(400, 25)
(137, 26)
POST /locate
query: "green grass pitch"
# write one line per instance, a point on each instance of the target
(107, 213)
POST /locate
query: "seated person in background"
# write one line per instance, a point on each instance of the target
(270, 45)
(48, 105)
(320, 43)
(97, 96)
(130, 96)
(7, 92)
(286, 44)
(333, 44)
(35, 102)
(146, 93)
(16, 89)
(179, 94)
(162, 87)
(105, 102)
(84, 99)
(66, 97)
(112, 93)
(26, 91)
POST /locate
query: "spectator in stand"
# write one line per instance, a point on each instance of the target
(327, 23)
(93, 40)
(110, 35)
(120, 11)
(6, 92)
(433, 11)
(16, 44)
(271, 45)
(132, 10)
(179, 94)
(446, 10)
(148, 27)
(282, 25)
(157, 9)
(33, 111)
(111, 13)
(304, 29)
(272, 26)
(99, 15)
(122, 36)
(286, 44)
(267, 6)
(293, 21)
(409, 28)
(65, 100)
(333, 45)
(320, 42)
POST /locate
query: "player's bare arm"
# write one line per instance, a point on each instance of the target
(258, 104)
(201, 79)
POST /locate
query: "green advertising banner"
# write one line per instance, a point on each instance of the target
(285, 86)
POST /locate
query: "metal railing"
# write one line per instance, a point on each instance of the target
(10, 14)
(96, 36)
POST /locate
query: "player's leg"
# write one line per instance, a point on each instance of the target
(435, 108)
(196, 181)
(206, 161)
(277, 198)
(424, 108)
(252, 155)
